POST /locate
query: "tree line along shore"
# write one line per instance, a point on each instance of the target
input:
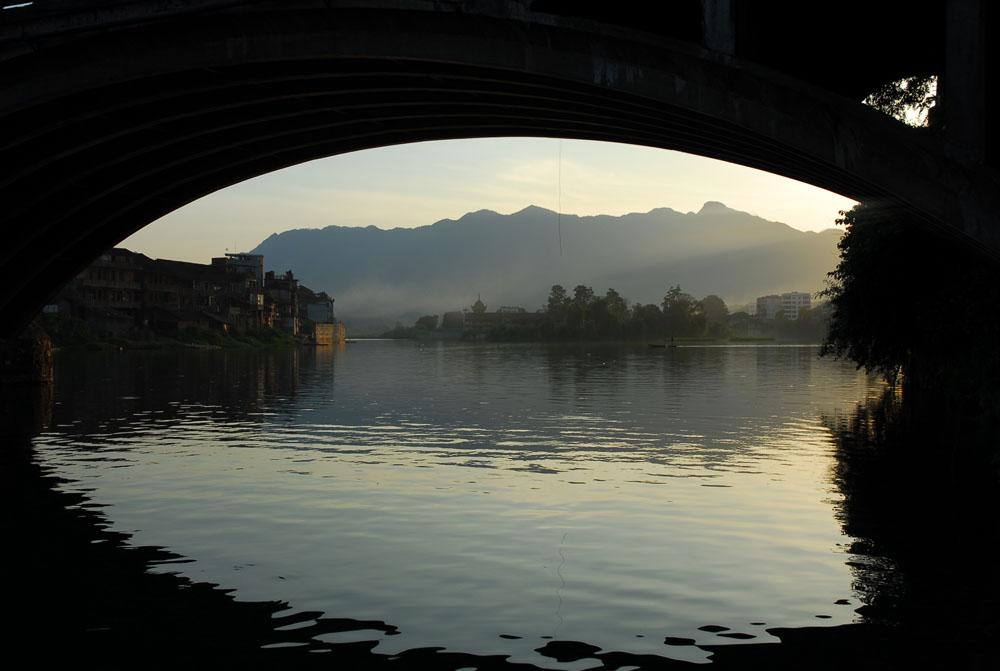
(584, 315)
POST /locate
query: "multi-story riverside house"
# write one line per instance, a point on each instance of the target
(281, 292)
(126, 294)
(107, 294)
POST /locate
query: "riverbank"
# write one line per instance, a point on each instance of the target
(470, 336)
(73, 334)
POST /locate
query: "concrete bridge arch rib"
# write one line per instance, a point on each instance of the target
(107, 124)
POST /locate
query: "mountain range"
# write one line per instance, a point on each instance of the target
(379, 276)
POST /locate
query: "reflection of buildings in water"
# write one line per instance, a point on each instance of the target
(321, 361)
(170, 383)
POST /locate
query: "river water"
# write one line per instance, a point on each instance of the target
(481, 498)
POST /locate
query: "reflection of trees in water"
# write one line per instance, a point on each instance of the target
(924, 535)
(871, 500)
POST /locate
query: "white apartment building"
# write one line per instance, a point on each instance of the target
(790, 303)
(794, 301)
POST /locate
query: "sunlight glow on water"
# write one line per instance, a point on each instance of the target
(463, 492)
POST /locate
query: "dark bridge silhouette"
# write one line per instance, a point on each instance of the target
(116, 112)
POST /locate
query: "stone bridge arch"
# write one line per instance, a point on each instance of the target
(116, 112)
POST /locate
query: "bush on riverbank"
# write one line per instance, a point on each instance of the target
(67, 332)
(73, 333)
(237, 339)
(920, 309)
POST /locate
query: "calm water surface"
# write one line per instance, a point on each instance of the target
(471, 494)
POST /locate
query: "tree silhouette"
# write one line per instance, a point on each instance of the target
(557, 300)
(583, 295)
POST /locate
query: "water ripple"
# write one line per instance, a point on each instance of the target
(617, 509)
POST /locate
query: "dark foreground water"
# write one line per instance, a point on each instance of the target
(482, 499)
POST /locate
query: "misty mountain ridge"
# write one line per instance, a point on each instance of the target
(515, 259)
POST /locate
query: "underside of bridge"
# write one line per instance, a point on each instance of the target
(116, 112)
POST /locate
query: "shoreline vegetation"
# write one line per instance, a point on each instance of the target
(583, 316)
(445, 335)
(68, 333)
(918, 308)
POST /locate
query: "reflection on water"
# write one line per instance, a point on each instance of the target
(924, 538)
(483, 499)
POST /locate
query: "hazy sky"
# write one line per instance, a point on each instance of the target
(419, 184)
